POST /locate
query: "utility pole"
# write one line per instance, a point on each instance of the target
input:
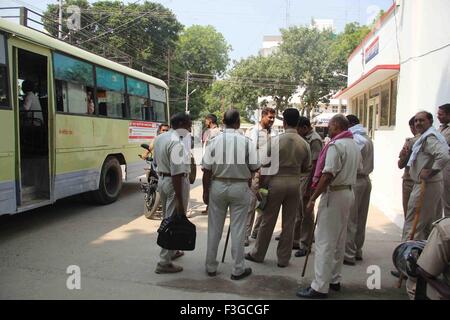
(168, 68)
(187, 91)
(60, 20)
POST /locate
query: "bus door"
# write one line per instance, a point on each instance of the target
(31, 75)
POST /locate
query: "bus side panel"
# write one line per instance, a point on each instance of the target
(8, 201)
(77, 167)
(82, 145)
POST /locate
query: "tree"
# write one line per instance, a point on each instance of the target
(309, 51)
(203, 51)
(140, 35)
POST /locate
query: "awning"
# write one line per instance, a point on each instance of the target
(371, 78)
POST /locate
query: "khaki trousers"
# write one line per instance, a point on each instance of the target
(283, 191)
(252, 225)
(168, 202)
(235, 196)
(428, 213)
(446, 191)
(330, 234)
(356, 228)
(304, 222)
(407, 186)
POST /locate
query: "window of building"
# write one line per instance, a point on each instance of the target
(334, 109)
(344, 109)
(158, 104)
(111, 93)
(4, 96)
(361, 110)
(138, 98)
(355, 106)
(384, 104)
(393, 98)
(74, 84)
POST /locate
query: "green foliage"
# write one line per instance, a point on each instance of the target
(202, 51)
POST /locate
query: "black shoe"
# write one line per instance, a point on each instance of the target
(247, 272)
(281, 265)
(248, 256)
(277, 238)
(246, 243)
(335, 286)
(358, 258)
(396, 274)
(301, 253)
(212, 274)
(349, 263)
(310, 293)
(254, 236)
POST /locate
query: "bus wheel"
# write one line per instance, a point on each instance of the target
(110, 182)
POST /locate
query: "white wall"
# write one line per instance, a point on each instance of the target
(424, 84)
(387, 51)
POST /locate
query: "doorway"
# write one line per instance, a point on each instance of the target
(32, 93)
(372, 114)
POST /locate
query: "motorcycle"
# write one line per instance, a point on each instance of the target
(149, 185)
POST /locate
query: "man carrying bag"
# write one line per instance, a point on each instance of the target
(173, 162)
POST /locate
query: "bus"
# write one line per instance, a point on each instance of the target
(71, 122)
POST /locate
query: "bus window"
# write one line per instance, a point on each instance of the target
(158, 103)
(3, 75)
(138, 98)
(110, 93)
(74, 85)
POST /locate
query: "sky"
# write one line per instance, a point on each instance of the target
(243, 23)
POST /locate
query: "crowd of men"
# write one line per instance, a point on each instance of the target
(296, 168)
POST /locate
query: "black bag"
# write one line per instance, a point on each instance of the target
(177, 233)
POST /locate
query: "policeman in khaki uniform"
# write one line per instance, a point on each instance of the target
(228, 165)
(260, 135)
(434, 262)
(356, 229)
(173, 166)
(403, 157)
(304, 223)
(444, 129)
(429, 157)
(334, 177)
(294, 158)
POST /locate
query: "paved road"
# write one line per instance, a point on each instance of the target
(115, 248)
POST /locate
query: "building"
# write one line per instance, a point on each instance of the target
(323, 24)
(400, 68)
(270, 45)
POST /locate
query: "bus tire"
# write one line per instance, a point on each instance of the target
(110, 182)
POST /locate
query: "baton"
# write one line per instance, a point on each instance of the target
(416, 221)
(226, 244)
(310, 245)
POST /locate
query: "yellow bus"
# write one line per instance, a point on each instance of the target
(71, 122)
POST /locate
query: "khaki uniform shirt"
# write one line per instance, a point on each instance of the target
(230, 155)
(290, 154)
(170, 154)
(366, 157)
(342, 160)
(315, 143)
(444, 129)
(410, 142)
(435, 258)
(432, 155)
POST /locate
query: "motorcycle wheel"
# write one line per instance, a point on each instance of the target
(151, 204)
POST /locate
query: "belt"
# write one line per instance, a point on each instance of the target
(164, 174)
(229, 179)
(339, 188)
